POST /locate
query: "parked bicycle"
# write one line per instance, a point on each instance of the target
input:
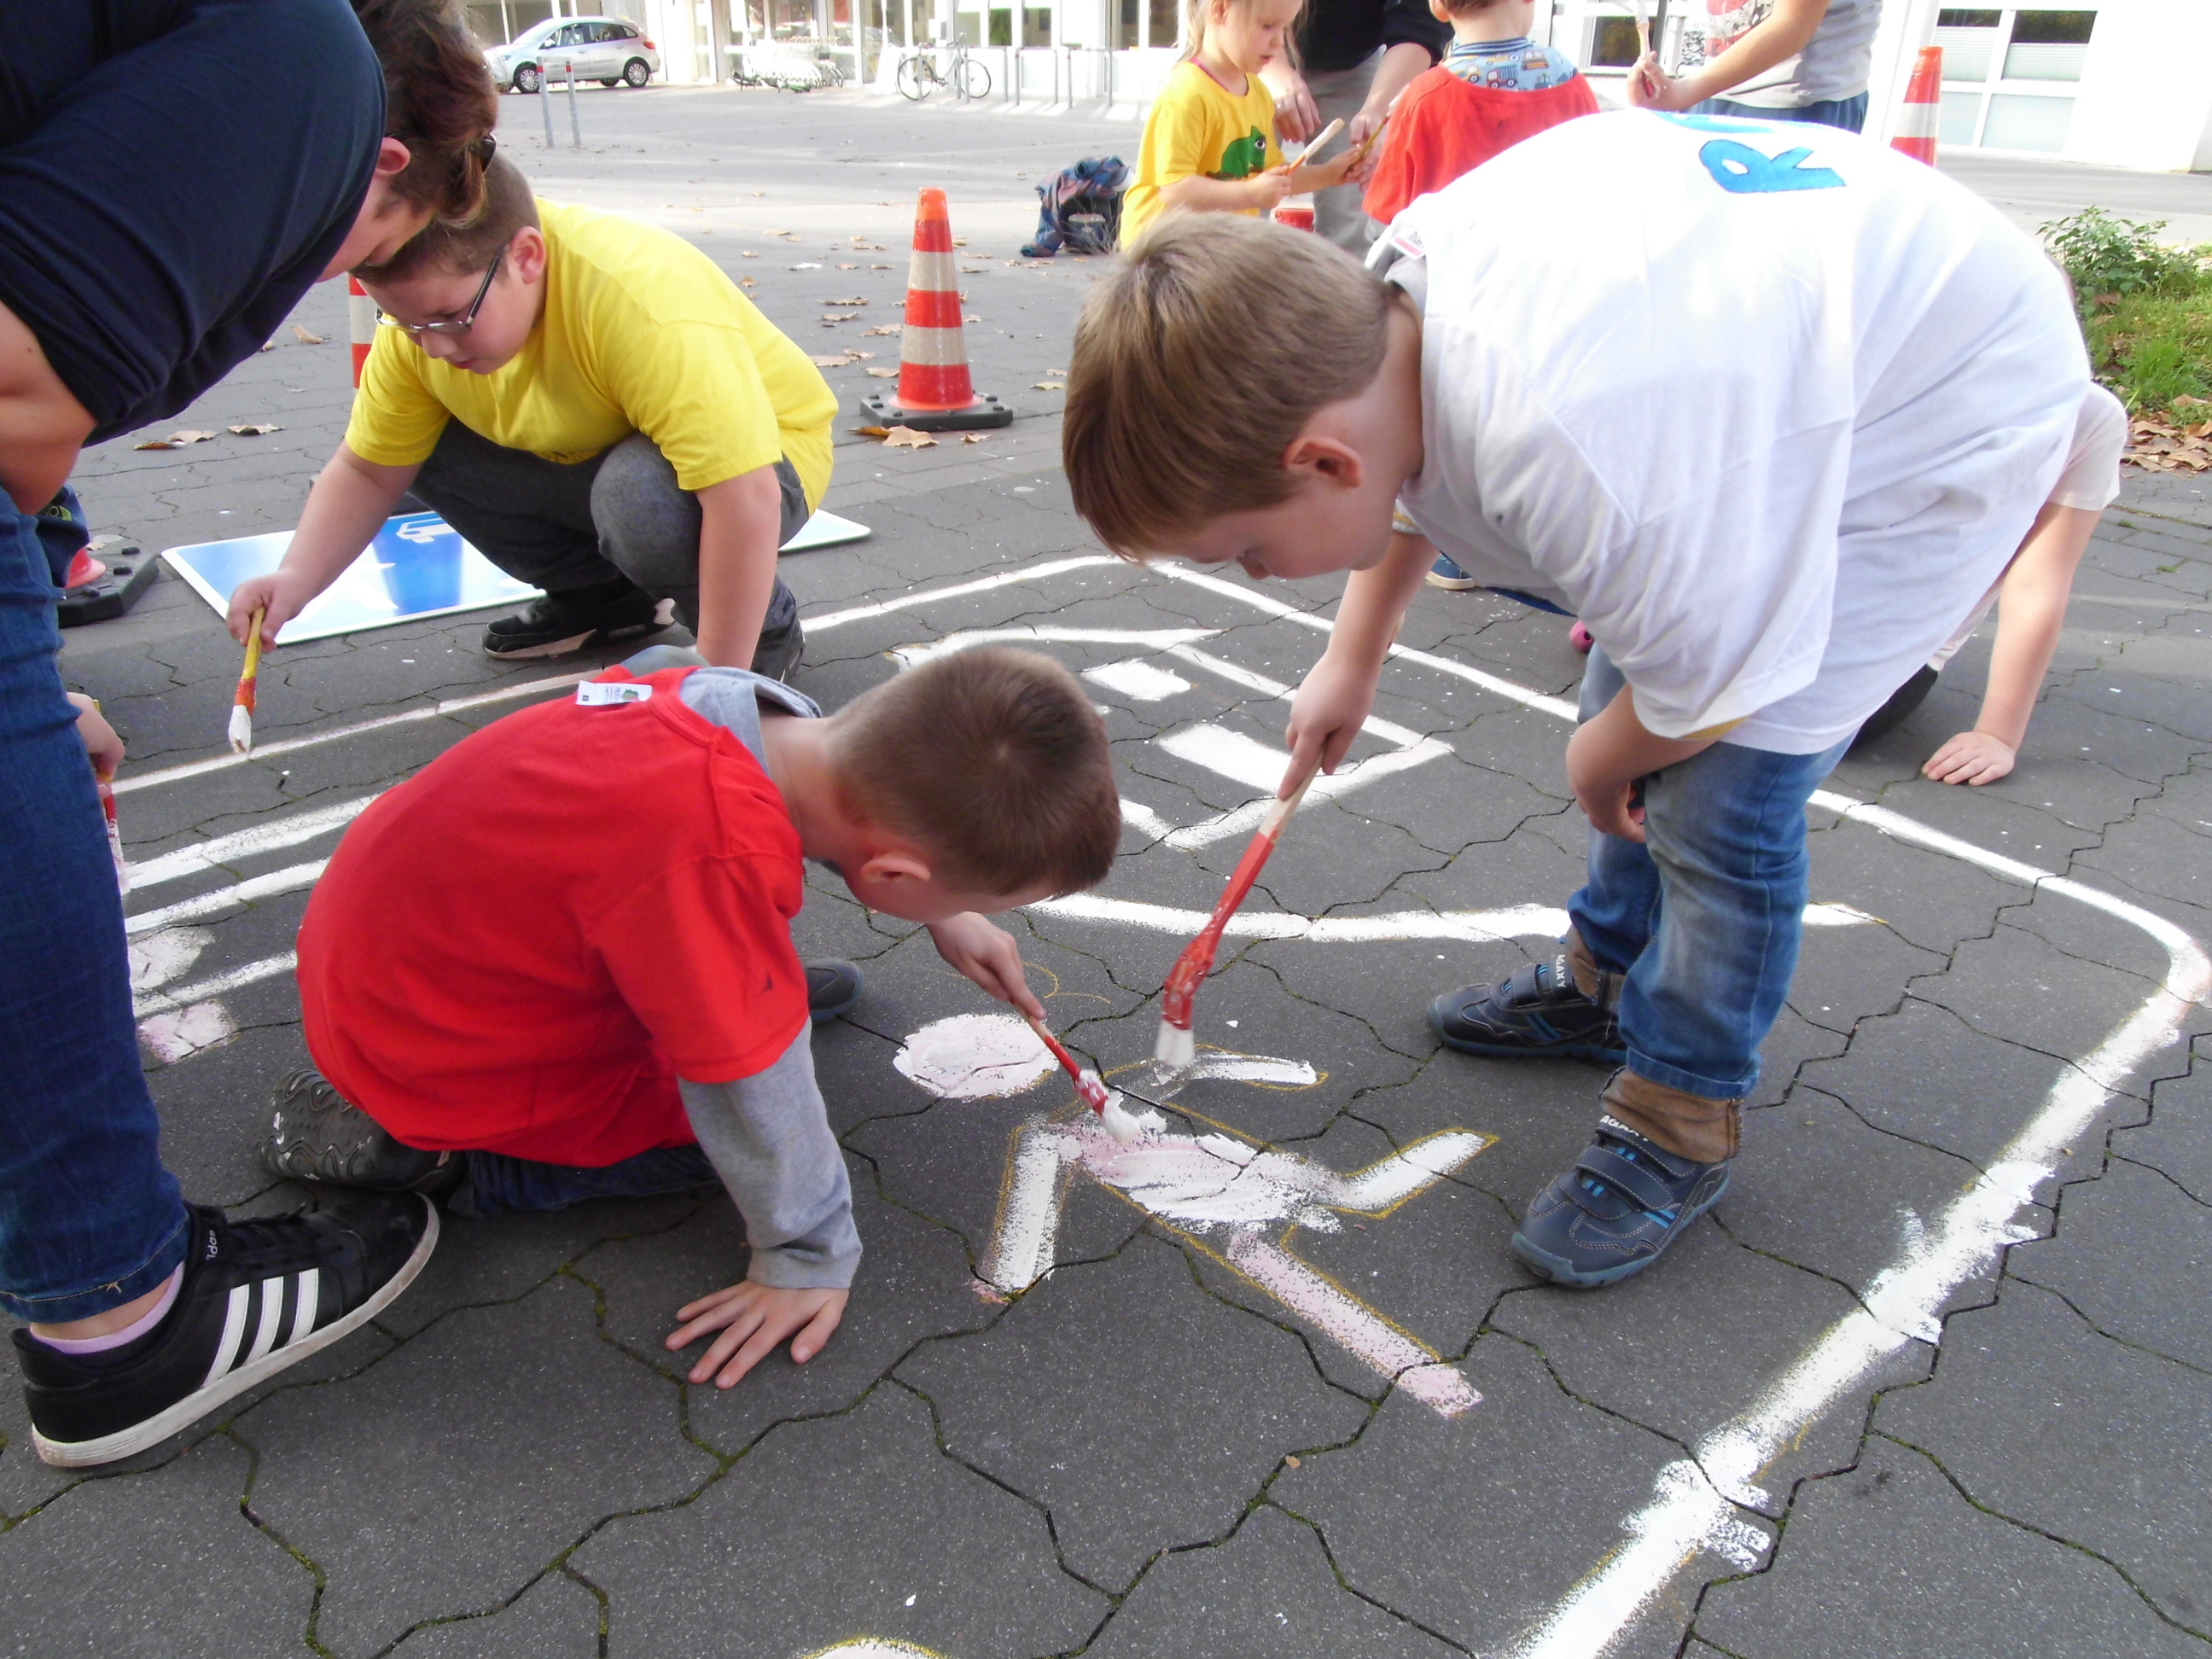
(918, 75)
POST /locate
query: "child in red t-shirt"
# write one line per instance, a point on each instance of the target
(1494, 88)
(557, 963)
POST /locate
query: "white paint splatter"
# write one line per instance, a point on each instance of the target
(176, 1037)
(160, 958)
(1140, 682)
(975, 1057)
(870, 1647)
(1158, 1081)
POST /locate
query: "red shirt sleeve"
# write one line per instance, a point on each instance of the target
(702, 953)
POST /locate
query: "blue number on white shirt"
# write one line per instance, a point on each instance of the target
(1747, 172)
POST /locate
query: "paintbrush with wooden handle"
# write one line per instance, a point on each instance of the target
(241, 707)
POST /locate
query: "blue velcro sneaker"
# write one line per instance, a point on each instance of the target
(1614, 1214)
(1538, 1012)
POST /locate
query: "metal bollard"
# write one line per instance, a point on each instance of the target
(545, 100)
(575, 126)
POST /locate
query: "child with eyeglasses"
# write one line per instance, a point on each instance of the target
(596, 406)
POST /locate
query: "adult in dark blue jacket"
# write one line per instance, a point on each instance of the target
(161, 210)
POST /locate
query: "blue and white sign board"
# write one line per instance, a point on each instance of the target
(418, 565)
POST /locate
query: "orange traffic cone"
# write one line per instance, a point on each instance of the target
(934, 393)
(1917, 121)
(362, 311)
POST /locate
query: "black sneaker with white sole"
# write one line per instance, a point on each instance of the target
(833, 987)
(557, 624)
(257, 1297)
(315, 1134)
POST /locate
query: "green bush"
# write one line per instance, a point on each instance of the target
(2145, 307)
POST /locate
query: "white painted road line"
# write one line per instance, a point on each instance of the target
(288, 879)
(251, 974)
(222, 850)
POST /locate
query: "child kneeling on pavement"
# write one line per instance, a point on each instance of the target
(593, 404)
(1768, 408)
(557, 965)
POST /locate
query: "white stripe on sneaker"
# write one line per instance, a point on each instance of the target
(234, 1327)
(303, 1315)
(272, 1318)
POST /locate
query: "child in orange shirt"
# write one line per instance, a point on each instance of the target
(1494, 88)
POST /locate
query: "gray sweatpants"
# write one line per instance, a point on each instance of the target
(561, 525)
(1340, 215)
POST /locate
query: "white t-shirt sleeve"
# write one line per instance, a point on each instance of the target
(2092, 479)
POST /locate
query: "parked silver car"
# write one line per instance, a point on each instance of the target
(608, 50)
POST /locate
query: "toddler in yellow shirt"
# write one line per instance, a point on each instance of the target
(595, 405)
(1210, 140)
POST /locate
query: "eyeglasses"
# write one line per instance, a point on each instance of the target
(460, 324)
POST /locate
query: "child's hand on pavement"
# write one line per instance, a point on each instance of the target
(986, 953)
(99, 740)
(752, 1319)
(1974, 758)
(275, 594)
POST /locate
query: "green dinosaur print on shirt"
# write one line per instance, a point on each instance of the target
(1245, 156)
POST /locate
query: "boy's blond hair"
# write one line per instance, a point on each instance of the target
(1198, 358)
(994, 761)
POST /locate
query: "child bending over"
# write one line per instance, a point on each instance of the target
(1494, 88)
(1209, 142)
(556, 963)
(1769, 407)
(596, 406)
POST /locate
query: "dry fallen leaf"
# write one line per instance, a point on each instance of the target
(887, 328)
(1292, 1462)
(846, 267)
(871, 432)
(882, 267)
(178, 440)
(960, 241)
(268, 345)
(747, 281)
(839, 316)
(1048, 385)
(840, 360)
(749, 254)
(779, 233)
(905, 437)
(809, 264)
(306, 338)
(255, 429)
(884, 374)
(972, 437)
(858, 242)
(845, 302)
(759, 192)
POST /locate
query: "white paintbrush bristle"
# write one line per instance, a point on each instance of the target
(1174, 1047)
(241, 730)
(1123, 1124)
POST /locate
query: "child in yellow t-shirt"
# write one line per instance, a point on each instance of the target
(596, 406)
(1209, 141)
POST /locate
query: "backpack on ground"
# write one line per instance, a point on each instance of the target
(1081, 209)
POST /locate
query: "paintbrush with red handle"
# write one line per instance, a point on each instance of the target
(1175, 1046)
(241, 708)
(1090, 1087)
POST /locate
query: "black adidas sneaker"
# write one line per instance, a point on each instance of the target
(558, 624)
(257, 1296)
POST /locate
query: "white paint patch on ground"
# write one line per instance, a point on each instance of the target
(1152, 639)
(1165, 1083)
(1144, 820)
(1140, 682)
(161, 957)
(287, 880)
(162, 1002)
(1248, 1198)
(869, 1647)
(178, 1036)
(975, 1057)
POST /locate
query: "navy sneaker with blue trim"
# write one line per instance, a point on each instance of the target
(1445, 574)
(1538, 1012)
(1616, 1212)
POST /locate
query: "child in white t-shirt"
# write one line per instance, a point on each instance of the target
(1769, 407)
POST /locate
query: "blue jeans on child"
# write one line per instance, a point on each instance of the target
(1704, 917)
(89, 1217)
(500, 1185)
(1849, 113)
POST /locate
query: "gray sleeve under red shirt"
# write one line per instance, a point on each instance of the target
(174, 174)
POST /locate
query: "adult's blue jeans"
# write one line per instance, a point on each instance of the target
(1849, 113)
(1704, 917)
(89, 1217)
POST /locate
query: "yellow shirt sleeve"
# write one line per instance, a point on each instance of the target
(396, 417)
(1183, 137)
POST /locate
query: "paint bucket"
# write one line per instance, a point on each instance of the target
(1296, 211)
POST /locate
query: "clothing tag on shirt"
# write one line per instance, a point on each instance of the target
(597, 694)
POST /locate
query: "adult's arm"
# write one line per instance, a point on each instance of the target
(1784, 33)
(42, 425)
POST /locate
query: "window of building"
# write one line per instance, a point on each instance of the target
(1167, 23)
(2048, 45)
(1036, 26)
(1612, 43)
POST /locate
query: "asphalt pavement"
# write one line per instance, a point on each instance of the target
(1932, 1380)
